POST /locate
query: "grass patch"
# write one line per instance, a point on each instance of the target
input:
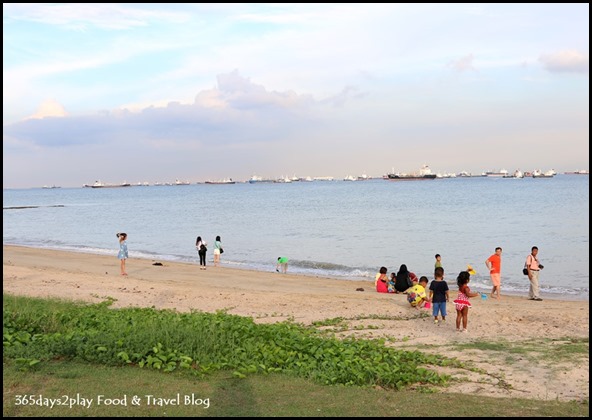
(547, 349)
(257, 395)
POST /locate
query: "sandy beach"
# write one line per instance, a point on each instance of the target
(273, 297)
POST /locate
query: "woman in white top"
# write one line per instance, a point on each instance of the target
(217, 251)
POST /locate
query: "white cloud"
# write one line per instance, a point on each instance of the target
(79, 16)
(566, 61)
(463, 64)
(49, 108)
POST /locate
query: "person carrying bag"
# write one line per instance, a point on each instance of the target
(533, 268)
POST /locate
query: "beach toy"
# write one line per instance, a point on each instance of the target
(483, 296)
(471, 270)
(427, 305)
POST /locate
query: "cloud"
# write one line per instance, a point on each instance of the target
(78, 16)
(238, 92)
(342, 97)
(463, 63)
(49, 108)
(566, 61)
(236, 106)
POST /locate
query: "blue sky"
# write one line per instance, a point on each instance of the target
(158, 92)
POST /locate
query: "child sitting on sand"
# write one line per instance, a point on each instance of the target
(391, 283)
(416, 295)
(381, 280)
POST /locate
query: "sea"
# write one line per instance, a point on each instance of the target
(329, 229)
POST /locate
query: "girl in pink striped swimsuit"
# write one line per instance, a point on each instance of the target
(462, 301)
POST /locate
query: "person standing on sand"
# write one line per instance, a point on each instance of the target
(438, 262)
(439, 294)
(217, 251)
(201, 247)
(494, 264)
(122, 254)
(282, 262)
(534, 267)
(462, 301)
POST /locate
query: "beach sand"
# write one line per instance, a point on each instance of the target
(270, 297)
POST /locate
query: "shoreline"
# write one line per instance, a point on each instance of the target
(538, 331)
(255, 270)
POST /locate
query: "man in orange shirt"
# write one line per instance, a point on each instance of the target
(494, 264)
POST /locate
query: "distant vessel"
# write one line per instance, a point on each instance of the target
(284, 180)
(177, 182)
(50, 187)
(222, 181)
(424, 173)
(446, 175)
(538, 174)
(465, 174)
(99, 184)
(517, 174)
(257, 179)
(580, 172)
(500, 173)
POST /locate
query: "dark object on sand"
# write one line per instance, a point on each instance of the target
(157, 263)
(360, 289)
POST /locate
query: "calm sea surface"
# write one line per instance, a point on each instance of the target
(329, 228)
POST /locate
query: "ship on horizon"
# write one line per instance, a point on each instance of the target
(424, 173)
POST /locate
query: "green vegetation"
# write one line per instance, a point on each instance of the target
(36, 330)
(59, 350)
(544, 349)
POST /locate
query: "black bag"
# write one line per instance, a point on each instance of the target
(221, 251)
(525, 271)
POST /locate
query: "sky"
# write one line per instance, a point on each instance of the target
(156, 92)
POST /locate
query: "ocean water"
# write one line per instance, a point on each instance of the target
(336, 229)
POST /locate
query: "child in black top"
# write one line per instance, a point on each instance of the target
(439, 294)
